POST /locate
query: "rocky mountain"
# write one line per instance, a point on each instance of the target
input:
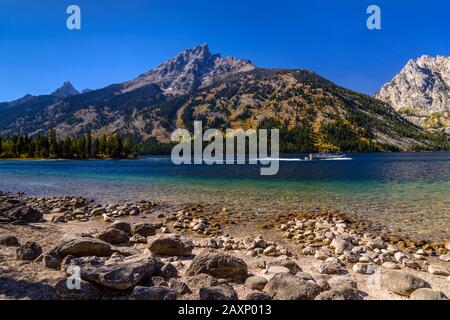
(66, 90)
(421, 91)
(192, 69)
(312, 112)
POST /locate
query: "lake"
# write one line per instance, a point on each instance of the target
(407, 192)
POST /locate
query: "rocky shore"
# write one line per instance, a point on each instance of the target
(74, 248)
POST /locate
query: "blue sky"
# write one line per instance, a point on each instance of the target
(122, 39)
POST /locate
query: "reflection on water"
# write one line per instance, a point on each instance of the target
(407, 192)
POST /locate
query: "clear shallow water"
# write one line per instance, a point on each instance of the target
(409, 193)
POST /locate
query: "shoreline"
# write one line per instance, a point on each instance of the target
(330, 248)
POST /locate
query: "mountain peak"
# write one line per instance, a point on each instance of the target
(422, 91)
(66, 90)
(189, 70)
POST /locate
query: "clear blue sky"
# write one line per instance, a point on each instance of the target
(122, 39)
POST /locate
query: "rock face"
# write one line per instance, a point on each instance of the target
(422, 91)
(29, 251)
(288, 287)
(169, 245)
(191, 69)
(83, 247)
(66, 90)
(403, 283)
(219, 265)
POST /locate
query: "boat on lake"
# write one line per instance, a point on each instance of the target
(325, 156)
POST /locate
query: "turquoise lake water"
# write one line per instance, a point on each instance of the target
(405, 192)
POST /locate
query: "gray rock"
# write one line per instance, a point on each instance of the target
(9, 241)
(168, 271)
(365, 268)
(52, 261)
(201, 280)
(288, 287)
(159, 282)
(122, 225)
(24, 213)
(29, 251)
(83, 247)
(125, 275)
(336, 282)
(153, 293)
(220, 292)
(340, 293)
(143, 229)
(428, 294)
(289, 264)
(169, 245)
(86, 291)
(179, 287)
(219, 265)
(256, 283)
(403, 283)
(258, 296)
(113, 236)
(331, 266)
(438, 270)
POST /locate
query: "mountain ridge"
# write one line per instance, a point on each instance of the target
(224, 92)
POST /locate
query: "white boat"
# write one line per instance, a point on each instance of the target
(325, 156)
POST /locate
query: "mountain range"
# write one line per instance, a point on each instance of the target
(313, 112)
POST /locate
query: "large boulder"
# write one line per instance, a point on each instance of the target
(113, 236)
(29, 251)
(85, 291)
(403, 283)
(169, 245)
(124, 275)
(143, 229)
(340, 293)
(83, 247)
(153, 293)
(285, 286)
(24, 213)
(220, 292)
(219, 265)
